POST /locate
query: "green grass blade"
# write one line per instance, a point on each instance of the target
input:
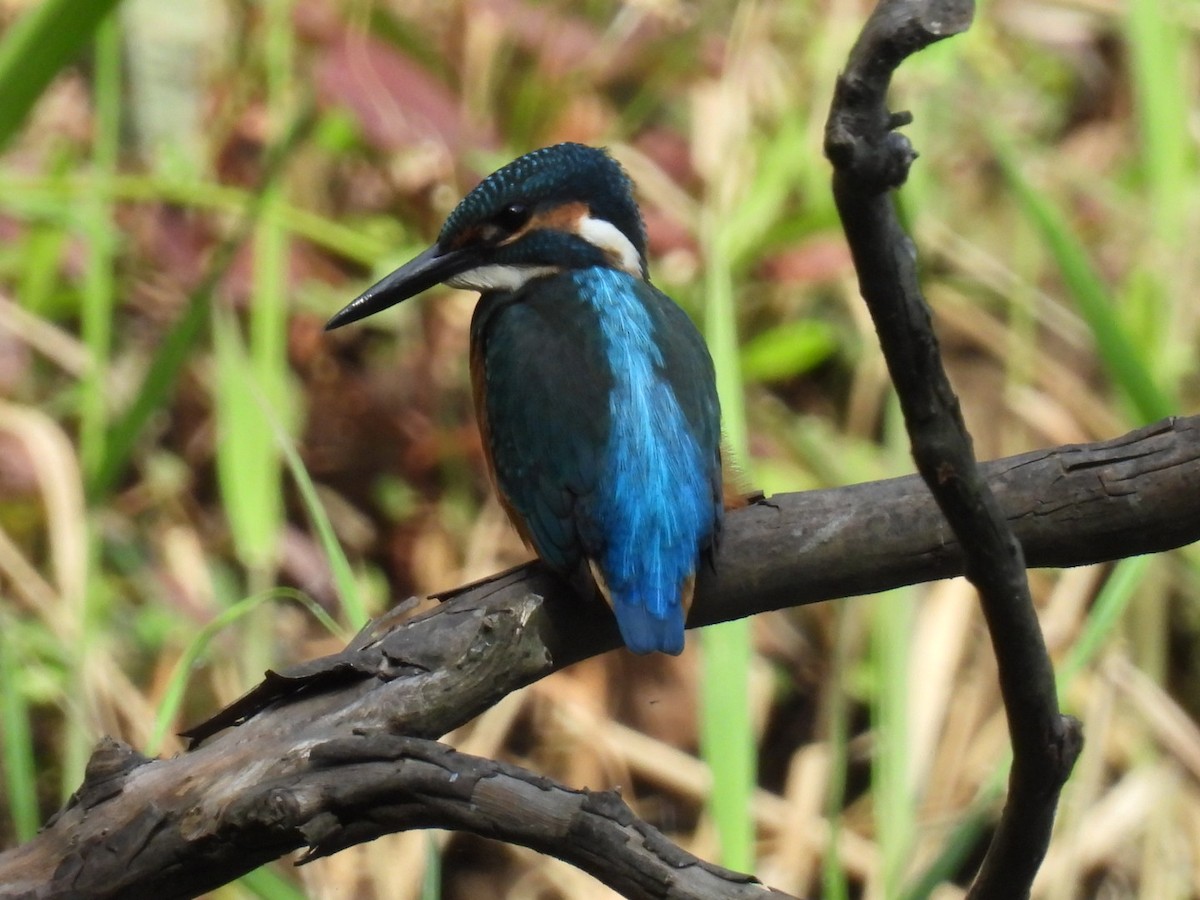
(49, 36)
(431, 882)
(239, 370)
(782, 159)
(16, 740)
(54, 198)
(1123, 363)
(247, 478)
(727, 738)
(41, 250)
(1111, 602)
(892, 620)
(1156, 310)
(247, 459)
(727, 735)
(176, 347)
(787, 350)
(1163, 111)
(247, 462)
(173, 695)
(268, 884)
(168, 709)
(353, 607)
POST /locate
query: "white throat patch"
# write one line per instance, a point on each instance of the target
(499, 278)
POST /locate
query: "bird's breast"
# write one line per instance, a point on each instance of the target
(594, 394)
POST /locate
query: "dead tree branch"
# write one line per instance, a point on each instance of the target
(870, 160)
(423, 677)
(352, 789)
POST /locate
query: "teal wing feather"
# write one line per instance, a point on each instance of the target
(604, 433)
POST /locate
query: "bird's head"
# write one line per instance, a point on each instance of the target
(563, 207)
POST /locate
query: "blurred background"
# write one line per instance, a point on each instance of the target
(197, 483)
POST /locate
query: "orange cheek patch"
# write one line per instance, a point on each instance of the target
(560, 218)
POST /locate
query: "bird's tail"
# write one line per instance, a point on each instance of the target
(649, 624)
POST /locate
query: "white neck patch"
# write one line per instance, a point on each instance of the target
(609, 239)
(499, 278)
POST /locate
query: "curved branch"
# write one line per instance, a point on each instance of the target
(366, 786)
(348, 790)
(870, 160)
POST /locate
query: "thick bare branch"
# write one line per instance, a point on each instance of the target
(1069, 506)
(1136, 494)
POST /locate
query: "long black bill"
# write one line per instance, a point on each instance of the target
(418, 274)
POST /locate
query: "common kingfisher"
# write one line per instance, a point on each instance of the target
(595, 393)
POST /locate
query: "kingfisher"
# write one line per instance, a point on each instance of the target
(594, 392)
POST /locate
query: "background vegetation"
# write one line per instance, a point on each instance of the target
(185, 202)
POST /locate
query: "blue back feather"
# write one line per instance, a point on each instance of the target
(658, 507)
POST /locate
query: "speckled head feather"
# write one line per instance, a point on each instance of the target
(552, 176)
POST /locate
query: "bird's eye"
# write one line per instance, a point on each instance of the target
(512, 217)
